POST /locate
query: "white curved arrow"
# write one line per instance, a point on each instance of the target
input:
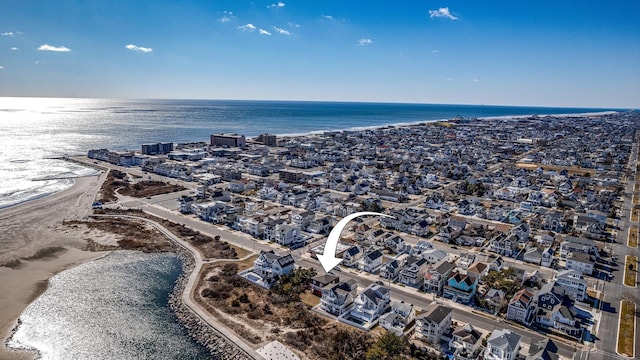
(328, 259)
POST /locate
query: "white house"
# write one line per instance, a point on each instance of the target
(580, 262)
(433, 322)
(337, 299)
(522, 307)
(370, 304)
(573, 282)
(401, 315)
(271, 266)
(465, 343)
(503, 344)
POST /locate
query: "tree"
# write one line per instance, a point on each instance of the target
(387, 346)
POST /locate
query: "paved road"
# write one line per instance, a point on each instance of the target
(614, 291)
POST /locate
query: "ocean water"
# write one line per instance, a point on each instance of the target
(35, 130)
(112, 308)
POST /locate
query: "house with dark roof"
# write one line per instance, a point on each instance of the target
(544, 349)
(320, 281)
(562, 317)
(436, 277)
(503, 344)
(368, 306)
(434, 322)
(522, 307)
(465, 342)
(412, 273)
(460, 288)
(352, 256)
(580, 262)
(337, 299)
(371, 261)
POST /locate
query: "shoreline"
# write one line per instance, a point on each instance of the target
(36, 258)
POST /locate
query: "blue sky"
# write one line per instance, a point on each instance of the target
(515, 52)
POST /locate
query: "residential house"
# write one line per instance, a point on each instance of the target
(286, 234)
(433, 256)
(522, 307)
(533, 255)
(504, 244)
(547, 257)
(433, 323)
(421, 247)
(543, 349)
(391, 269)
(465, 260)
(370, 304)
(352, 256)
(573, 244)
(318, 282)
(503, 344)
(395, 244)
(412, 273)
(580, 262)
(371, 261)
(465, 343)
(574, 284)
(550, 295)
(320, 226)
(561, 317)
(271, 266)
(337, 299)
(401, 315)
(436, 277)
(302, 219)
(478, 270)
(460, 287)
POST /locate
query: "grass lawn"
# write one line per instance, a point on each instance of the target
(308, 298)
(630, 275)
(636, 198)
(633, 237)
(634, 215)
(626, 328)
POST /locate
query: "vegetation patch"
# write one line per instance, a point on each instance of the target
(117, 181)
(634, 214)
(626, 329)
(132, 234)
(209, 247)
(630, 269)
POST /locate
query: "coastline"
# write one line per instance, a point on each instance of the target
(38, 246)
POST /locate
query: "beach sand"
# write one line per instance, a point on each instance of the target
(36, 245)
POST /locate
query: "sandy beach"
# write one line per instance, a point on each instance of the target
(35, 245)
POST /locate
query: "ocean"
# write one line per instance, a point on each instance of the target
(115, 307)
(134, 321)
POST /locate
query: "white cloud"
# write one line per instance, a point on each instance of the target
(279, 4)
(1, 67)
(293, 25)
(15, 48)
(448, 79)
(139, 48)
(443, 12)
(8, 33)
(435, 51)
(476, 80)
(329, 17)
(247, 27)
(365, 42)
(226, 17)
(281, 31)
(47, 47)
(264, 32)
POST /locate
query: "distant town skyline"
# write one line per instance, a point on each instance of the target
(541, 53)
